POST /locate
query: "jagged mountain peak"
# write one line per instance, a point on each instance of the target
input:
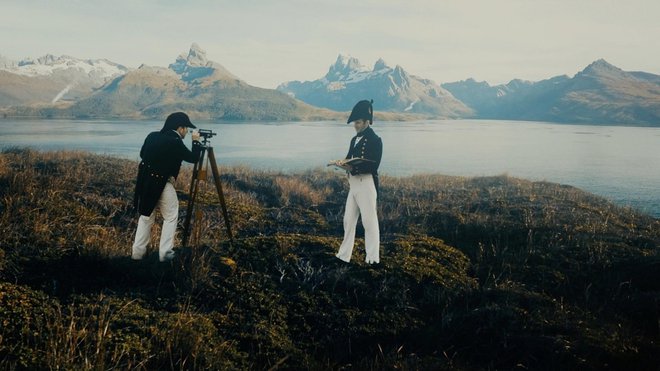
(380, 65)
(601, 68)
(196, 57)
(348, 69)
(600, 63)
(348, 81)
(344, 68)
(345, 61)
(195, 65)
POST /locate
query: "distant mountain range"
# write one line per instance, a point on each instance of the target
(50, 79)
(392, 89)
(202, 88)
(67, 87)
(601, 93)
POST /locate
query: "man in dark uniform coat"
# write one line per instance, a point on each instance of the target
(162, 154)
(363, 182)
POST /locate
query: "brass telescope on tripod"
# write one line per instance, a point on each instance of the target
(200, 172)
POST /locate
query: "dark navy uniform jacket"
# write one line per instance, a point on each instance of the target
(162, 154)
(369, 146)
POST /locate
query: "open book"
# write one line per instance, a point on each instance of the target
(347, 164)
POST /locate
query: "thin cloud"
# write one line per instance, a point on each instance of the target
(266, 43)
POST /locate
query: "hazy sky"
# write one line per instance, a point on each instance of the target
(266, 43)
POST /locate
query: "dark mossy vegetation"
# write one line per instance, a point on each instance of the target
(475, 273)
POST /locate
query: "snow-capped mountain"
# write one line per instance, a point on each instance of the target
(202, 88)
(67, 87)
(100, 69)
(195, 65)
(392, 89)
(49, 79)
(346, 70)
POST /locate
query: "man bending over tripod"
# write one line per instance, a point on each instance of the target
(162, 154)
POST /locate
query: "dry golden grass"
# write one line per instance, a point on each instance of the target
(545, 275)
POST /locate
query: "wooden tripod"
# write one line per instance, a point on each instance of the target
(206, 158)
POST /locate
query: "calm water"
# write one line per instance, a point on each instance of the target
(620, 163)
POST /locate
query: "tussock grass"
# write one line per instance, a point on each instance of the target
(476, 273)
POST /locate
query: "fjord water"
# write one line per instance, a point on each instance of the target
(619, 163)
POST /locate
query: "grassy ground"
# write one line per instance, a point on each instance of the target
(476, 273)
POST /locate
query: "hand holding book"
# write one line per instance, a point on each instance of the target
(347, 164)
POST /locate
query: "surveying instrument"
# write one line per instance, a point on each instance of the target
(200, 171)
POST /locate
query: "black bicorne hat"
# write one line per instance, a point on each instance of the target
(176, 120)
(363, 110)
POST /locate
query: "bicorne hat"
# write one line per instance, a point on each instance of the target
(362, 110)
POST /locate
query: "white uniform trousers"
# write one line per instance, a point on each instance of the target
(168, 204)
(361, 201)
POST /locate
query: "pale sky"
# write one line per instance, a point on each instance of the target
(266, 43)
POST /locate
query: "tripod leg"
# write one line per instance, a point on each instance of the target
(196, 228)
(218, 188)
(192, 196)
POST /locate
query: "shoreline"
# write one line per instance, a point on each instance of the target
(622, 202)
